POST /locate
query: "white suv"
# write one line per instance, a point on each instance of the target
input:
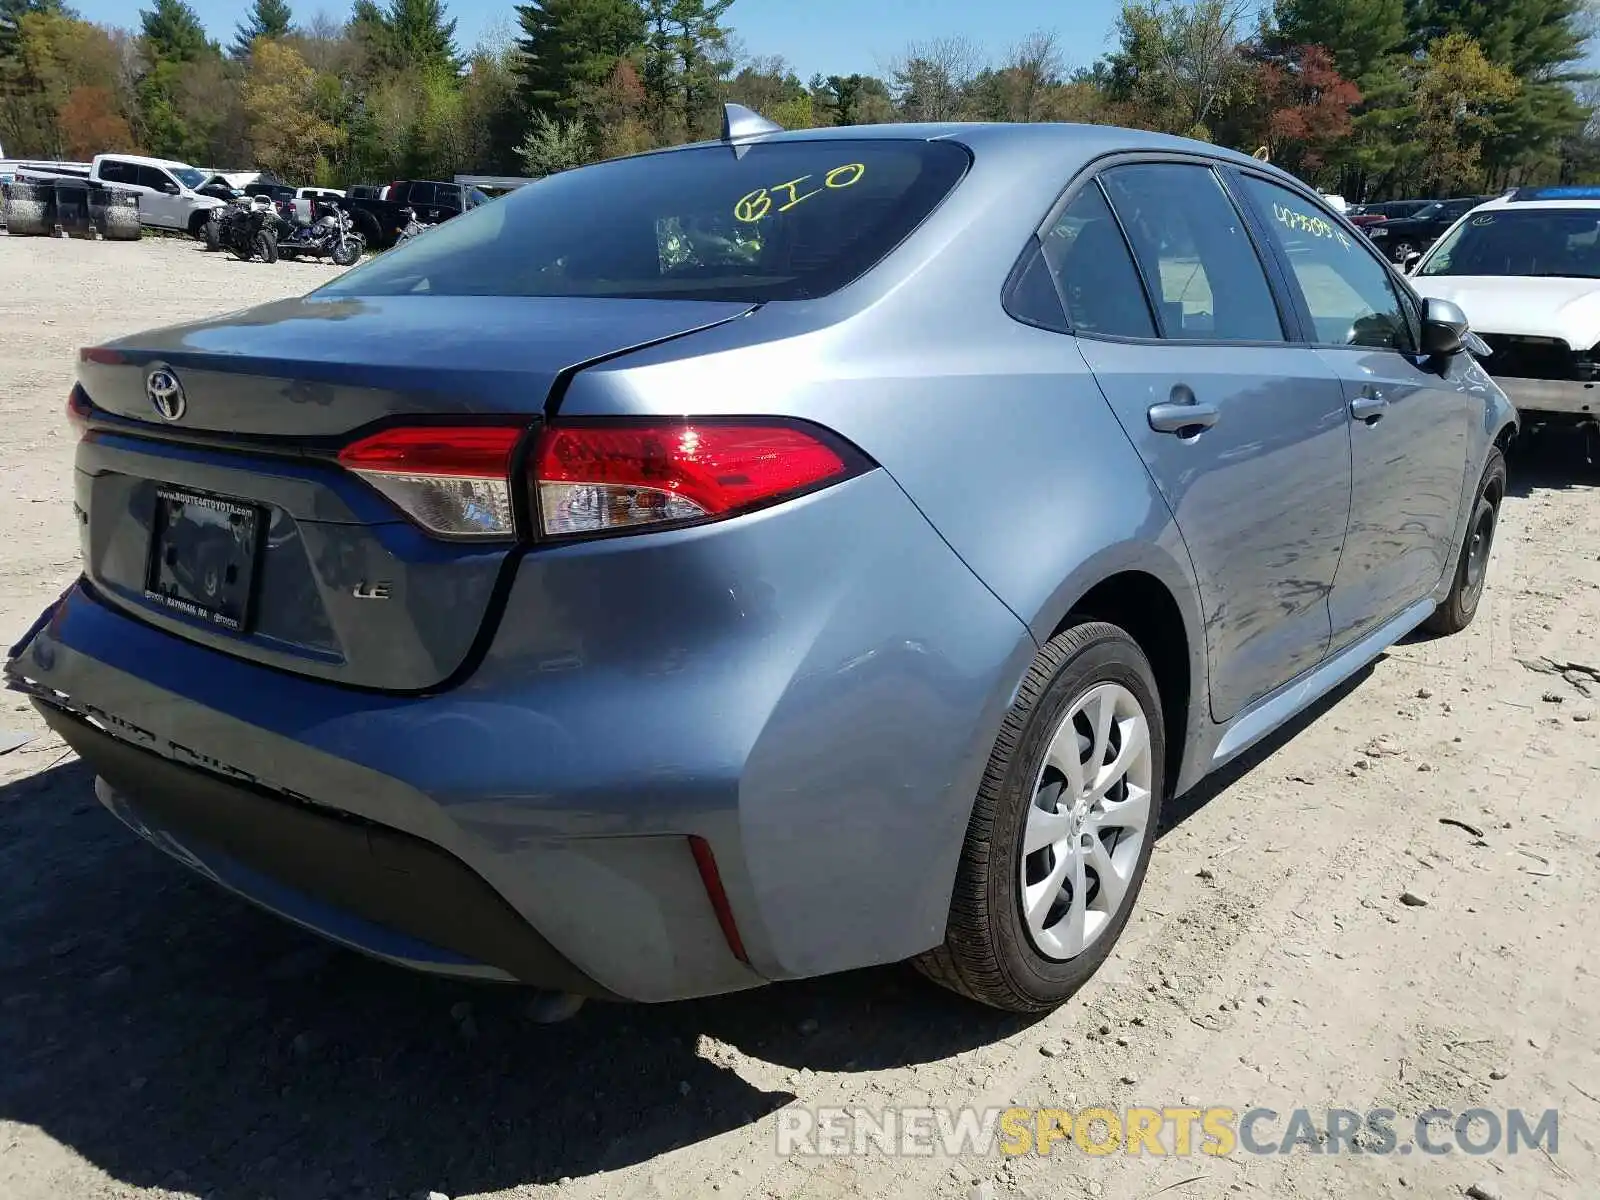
(1526, 271)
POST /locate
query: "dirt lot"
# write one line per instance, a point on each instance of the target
(158, 1038)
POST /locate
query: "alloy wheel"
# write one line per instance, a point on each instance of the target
(1088, 821)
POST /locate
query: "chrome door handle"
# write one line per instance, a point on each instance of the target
(1182, 418)
(1368, 408)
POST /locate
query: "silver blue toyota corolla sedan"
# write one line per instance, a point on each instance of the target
(763, 558)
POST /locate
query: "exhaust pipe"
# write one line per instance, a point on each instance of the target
(551, 1008)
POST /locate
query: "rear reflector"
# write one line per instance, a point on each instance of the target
(78, 410)
(595, 478)
(711, 879)
(454, 481)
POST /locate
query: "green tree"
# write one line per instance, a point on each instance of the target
(287, 132)
(1358, 34)
(1180, 64)
(61, 89)
(1539, 42)
(553, 145)
(268, 19)
(1458, 92)
(852, 100)
(931, 82)
(419, 37)
(490, 116)
(568, 46)
(685, 56)
(172, 33)
(11, 14)
(620, 112)
(1534, 39)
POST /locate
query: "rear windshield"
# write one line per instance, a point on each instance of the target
(779, 221)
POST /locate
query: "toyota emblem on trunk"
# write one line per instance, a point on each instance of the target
(166, 393)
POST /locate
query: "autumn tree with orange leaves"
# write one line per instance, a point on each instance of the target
(1306, 108)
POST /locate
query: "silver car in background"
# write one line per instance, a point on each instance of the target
(763, 558)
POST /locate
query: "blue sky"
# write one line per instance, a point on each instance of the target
(831, 36)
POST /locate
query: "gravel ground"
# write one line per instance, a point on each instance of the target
(161, 1039)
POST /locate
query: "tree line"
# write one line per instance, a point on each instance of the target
(1372, 98)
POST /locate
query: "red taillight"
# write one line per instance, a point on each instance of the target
(78, 410)
(99, 354)
(597, 477)
(452, 480)
(593, 478)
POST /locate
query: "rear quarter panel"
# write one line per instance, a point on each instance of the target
(996, 431)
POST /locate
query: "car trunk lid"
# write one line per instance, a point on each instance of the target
(226, 518)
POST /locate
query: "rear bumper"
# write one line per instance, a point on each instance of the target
(812, 692)
(374, 889)
(1553, 396)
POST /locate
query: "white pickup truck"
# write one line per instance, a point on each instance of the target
(168, 198)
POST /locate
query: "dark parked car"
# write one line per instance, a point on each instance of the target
(273, 191)
(1404, 238)
(1386, 210)
(380, 222)
(826, 563)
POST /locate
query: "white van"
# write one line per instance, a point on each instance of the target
(166, 189)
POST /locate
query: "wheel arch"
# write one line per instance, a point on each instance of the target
(1147, 590)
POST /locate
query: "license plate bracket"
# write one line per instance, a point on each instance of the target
(204, 551)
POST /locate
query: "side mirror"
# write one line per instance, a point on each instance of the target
(1444, 328)
(170, 188)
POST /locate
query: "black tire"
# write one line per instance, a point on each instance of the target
(265, 246)
(213, 235)
(367, 226)
(346, 251)
(1472, 565)
(988, 954)
(198, 223)
(286, 254)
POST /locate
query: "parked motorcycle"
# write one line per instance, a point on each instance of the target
(328, 235)
(246, 228)
(411, 226)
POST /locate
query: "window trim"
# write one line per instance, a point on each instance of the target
(1359, 242)
(1033, 252)
(1284, 300)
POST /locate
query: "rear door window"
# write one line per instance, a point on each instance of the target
(420, 193)
(1206, 280)
(114, 170)
(785, 220)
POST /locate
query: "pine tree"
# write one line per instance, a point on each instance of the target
(172, 33)
(1539, 42)
(268, 19)
(1358, 34)
(569, 48)
(420, 39)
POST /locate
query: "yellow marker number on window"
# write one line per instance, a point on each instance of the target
(753, 206)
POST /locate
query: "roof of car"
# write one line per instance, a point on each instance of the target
(146, 161)
(1546, 197)
(1087, 142)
